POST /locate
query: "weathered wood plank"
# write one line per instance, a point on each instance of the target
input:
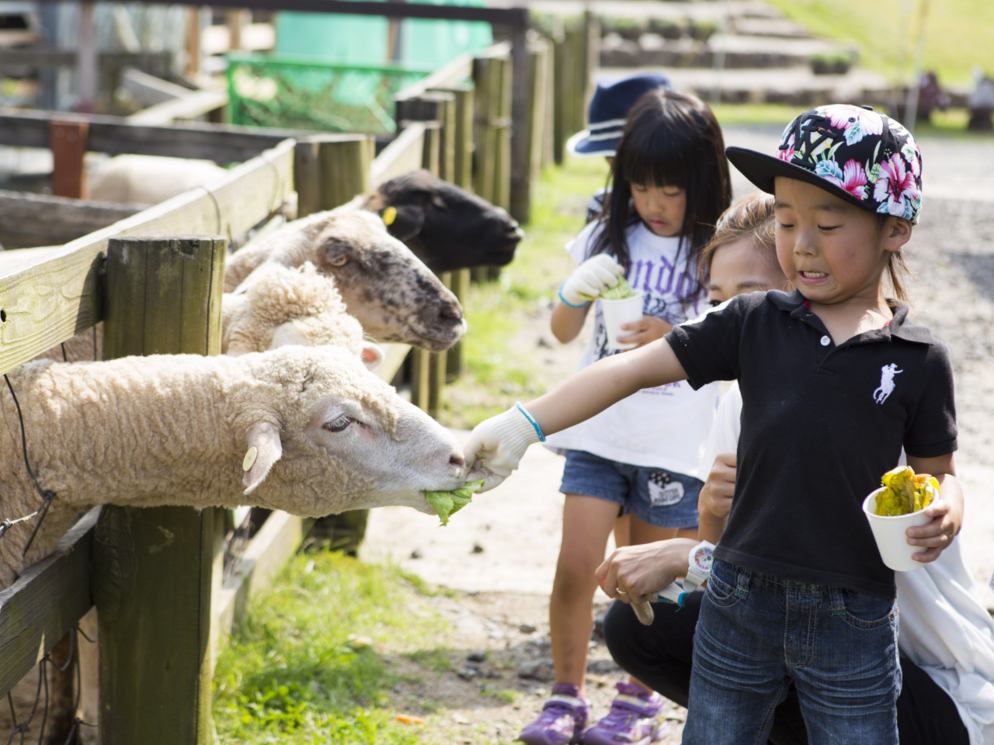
(403, 155)
(48, 58)
(448, 75)
(40, 220)
(516, 17)
(223, 143)
(266, 554)
(189, 106)
(30, 623)
(46, 302)
(149, 89)
(67, 141)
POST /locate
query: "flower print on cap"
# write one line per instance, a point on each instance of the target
(855, 122)
(861, 156)
(852, 178)
(896, 189)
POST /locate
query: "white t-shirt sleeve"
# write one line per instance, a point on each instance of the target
(579, 247)
(724, 436)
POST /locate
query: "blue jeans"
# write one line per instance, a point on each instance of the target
(758, 633)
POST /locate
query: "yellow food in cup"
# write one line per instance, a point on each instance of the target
(905, 492)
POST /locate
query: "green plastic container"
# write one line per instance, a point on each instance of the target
(302, 93)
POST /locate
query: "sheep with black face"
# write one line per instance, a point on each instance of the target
(448, 228)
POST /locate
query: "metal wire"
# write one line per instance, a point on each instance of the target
(46, 496)
(22, 728)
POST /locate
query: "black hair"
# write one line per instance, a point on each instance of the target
(669, 139)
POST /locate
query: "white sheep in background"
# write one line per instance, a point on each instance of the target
(393, 294)
(280, 306)
(174, 429)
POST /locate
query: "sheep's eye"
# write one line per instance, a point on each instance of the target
(339, 424)
(339, 260)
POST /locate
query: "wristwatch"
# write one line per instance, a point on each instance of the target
(699, 563)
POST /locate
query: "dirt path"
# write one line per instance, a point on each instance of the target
(500, 553)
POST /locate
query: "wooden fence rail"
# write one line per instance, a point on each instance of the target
(47, 302)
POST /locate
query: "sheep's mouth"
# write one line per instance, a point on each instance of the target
(441, 340)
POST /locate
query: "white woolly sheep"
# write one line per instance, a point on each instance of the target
(327, 434)
(174, 429)
(393, 294)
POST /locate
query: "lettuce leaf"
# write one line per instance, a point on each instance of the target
(448, 503)
(619, 292)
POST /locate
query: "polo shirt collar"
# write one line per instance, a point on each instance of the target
(899, 327)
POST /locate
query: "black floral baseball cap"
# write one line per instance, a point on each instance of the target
(853, 152)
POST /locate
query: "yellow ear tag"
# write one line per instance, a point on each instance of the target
(389, 215)
(250, 455)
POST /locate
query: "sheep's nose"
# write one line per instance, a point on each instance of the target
(457, 460)
(451, 312)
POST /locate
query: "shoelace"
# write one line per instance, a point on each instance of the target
(622, 716)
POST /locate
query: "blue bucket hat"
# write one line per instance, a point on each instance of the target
(608, 110)
(865, 158)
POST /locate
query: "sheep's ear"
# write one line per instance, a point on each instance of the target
(407, 221)
(264, 449)
(371, 355)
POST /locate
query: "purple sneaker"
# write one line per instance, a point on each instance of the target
(634, 719)
(563, 719)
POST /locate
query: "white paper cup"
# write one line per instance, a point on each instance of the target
(618, 312)
(889, 532)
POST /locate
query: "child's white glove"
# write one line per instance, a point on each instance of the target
(496, 446)
(588, 280)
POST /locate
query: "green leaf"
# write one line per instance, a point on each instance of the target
(619, 292)
(448, 503)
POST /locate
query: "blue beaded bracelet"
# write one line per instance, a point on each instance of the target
(567, 303)
(538, 430)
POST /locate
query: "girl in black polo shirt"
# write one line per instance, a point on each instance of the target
(798, 593)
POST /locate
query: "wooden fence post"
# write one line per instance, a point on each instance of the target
(462, 177)
(155, 569)
(307, 177)
(345, 164)
(67, 141)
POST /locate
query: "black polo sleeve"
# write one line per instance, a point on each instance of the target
(708, 346)
(931, 429)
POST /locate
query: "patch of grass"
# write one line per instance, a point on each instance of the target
(439, 660)
(291, 674)
(498, 372)
(957, 32)
(508, 695)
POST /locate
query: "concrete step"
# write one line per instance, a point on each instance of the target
(793, 86)
(739, 51)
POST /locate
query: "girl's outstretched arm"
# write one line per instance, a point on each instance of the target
(497, 444)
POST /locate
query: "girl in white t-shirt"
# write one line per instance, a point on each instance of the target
(670, 185)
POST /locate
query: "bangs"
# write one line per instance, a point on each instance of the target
(668, 154)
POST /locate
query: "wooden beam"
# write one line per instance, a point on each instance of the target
(30, 623)
(516, 17)
(40, 220)
(149, 89)
(116, 136)
(345, 168)
(46, 302)
(448, 75)
(403, 155)
(266, 554)
(49, 58)
(189, 106)
(154, 568)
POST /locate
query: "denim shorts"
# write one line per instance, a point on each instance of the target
(657, 497)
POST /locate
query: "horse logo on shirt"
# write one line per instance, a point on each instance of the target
(887, 373)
